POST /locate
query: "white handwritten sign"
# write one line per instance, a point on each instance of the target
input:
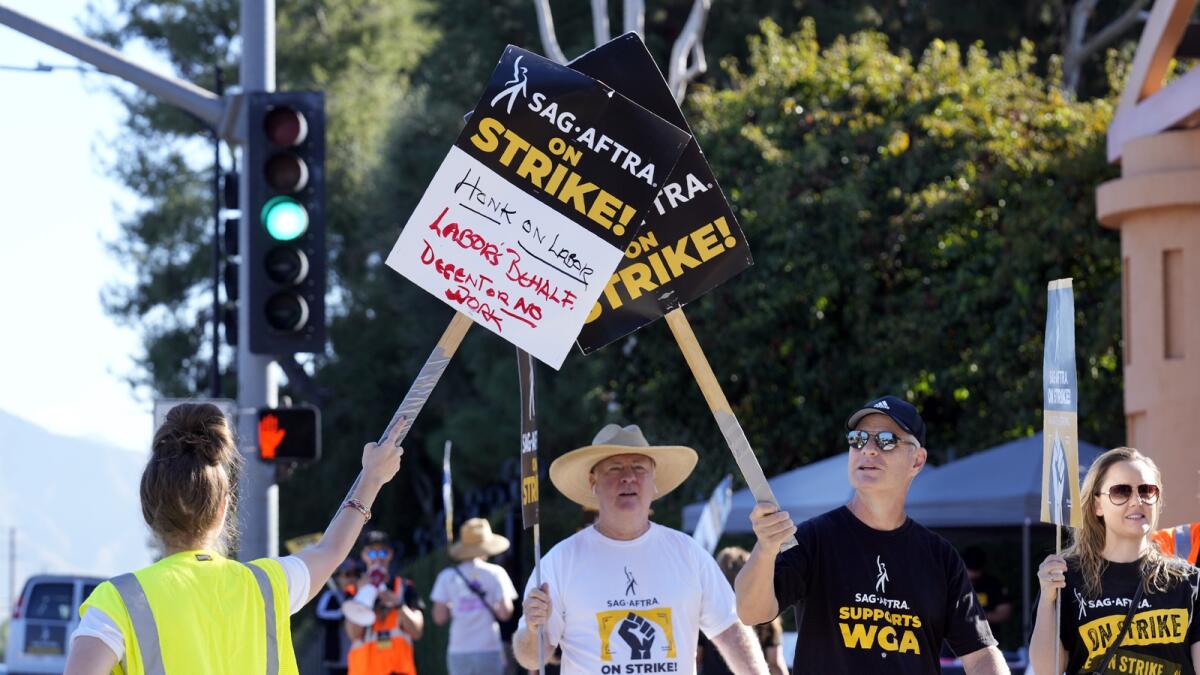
(514, 265)
(528, 216)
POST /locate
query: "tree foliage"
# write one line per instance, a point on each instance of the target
(904, 212)
(906, 215)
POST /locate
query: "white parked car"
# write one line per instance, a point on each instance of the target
(42, 622)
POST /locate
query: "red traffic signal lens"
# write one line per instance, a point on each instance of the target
(286, 172)
(285, 127)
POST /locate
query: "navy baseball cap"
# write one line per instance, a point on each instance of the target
(902, 412)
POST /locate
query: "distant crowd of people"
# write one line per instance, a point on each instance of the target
(873, 591)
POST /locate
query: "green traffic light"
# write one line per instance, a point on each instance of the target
(284, 218)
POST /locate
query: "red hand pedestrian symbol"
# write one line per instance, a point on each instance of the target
(270, 436)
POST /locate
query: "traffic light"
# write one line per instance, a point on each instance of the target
(291, 434)
(230, 225)
(285, 168)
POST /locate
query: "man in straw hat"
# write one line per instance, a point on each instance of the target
(627, 595)
(875, 591)
(474, 596)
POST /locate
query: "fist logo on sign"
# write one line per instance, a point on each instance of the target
(638, 633)
(270, 436)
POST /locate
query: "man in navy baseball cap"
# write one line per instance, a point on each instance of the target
(875, 591)
(902, 413)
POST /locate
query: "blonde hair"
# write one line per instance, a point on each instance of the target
(1158, 572)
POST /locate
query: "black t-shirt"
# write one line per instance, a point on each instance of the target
(1159, 638)
(869, 601)
(991, 592)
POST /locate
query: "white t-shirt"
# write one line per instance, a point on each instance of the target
(472, 626)
(633, 606)
(95, 623)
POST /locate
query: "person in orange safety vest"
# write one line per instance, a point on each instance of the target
(384, 617)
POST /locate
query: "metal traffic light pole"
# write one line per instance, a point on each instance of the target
(259, 502)
(257, 386)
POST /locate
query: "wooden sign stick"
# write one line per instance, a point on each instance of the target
(428, 378)
(731, 429)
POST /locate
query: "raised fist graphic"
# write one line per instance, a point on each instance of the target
(638, 633)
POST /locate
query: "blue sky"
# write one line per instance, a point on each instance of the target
(61, 358)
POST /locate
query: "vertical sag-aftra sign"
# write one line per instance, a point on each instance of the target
(528, 215)
(529, 440)
(1060, 437)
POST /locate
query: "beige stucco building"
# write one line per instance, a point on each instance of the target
(1155, 136)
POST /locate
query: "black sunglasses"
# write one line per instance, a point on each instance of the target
(886, 441)
(1119, 494)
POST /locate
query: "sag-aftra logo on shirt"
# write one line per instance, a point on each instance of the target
(876, 621)
(647, 634)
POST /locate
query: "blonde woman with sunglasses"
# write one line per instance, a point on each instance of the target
(1111, 565)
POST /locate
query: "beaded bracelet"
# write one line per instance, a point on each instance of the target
(357, 506)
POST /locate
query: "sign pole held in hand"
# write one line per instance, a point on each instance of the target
(689, 244)
(428, 377)
(1060, 422)
(731, 429)
(530, 514)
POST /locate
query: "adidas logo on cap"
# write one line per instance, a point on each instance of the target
(882, 404)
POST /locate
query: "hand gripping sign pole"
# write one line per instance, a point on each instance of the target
(1060, 416)
(690, 244)
(529, 476)
(731, 429)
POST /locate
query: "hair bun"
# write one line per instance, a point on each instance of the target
(191, 476)
(199, 429)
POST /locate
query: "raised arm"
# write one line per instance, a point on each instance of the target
(380, 463)
(755, 584)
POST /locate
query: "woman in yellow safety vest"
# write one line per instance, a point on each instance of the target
(196, 611)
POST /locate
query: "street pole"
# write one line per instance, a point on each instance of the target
(215, 375)
(259, 507)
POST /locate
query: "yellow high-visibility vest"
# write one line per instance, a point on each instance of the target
(199, 612)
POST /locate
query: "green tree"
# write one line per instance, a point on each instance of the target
(905, 214)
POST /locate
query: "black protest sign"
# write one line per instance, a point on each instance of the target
(529, 440)
(691, 242)
(528, 215)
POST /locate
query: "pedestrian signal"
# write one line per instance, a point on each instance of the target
(289, 434)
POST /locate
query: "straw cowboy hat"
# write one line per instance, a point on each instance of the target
(475, 539)
(569, 473)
